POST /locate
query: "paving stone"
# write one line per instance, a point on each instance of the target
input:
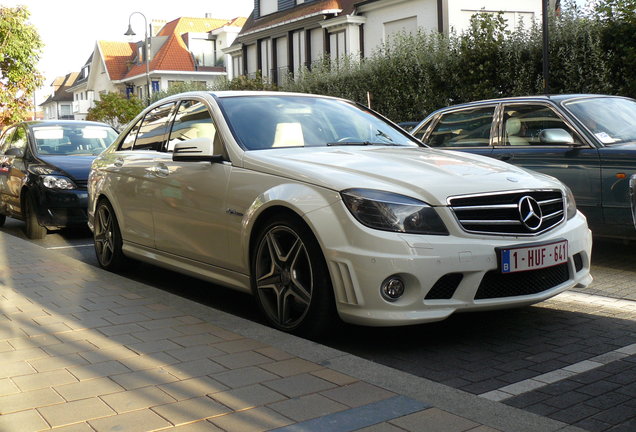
(239, 345)
(252, 420)
(274, 353)
(152, 347)
(194, 368)
(53, 363)
(121, 329)
(143, 378)
(357, 394)
(142, 362)
(433, 420)
(43, 380)
(617, 414)
(132, 400)
(243, 377)
(381, 427)
(334, 377)
(23, 421)
(98, 370)
(195, 352)
(193, 387)
(198, 339)
(200, 426)
(294, 366)
(15, 369)
(242, 359)
(107, 354)
(88, 388)
(247, 397)
(28, 400)
(299, 385)
(135, 421)
(307, 407)
(77, 427)
(7, 387)
(190, 410)
(74, 412)
(575, 413)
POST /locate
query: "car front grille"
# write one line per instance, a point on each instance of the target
(519, 213)
(497, 285)
(82, 184)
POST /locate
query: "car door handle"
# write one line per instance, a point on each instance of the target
(119, 162)
(161, 170)
(505, 156)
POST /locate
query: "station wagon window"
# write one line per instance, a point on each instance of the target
(154, 128)
(193, 120)
(465, 128)
(18, 140)
(524, 124)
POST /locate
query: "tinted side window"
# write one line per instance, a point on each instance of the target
(5, 139)
(523, 124)
(18, 140)
(129, 140)
(192, 121)
(466, 128)
(153, 130)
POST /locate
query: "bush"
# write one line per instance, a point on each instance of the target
(115, 109)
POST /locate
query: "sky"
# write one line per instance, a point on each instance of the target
(70, 28)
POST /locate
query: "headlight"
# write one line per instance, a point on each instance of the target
(392, 212)
(58, 182)
(570, 203)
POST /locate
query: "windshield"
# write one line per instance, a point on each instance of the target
(610, 119)
(64, 140)
(265, 122)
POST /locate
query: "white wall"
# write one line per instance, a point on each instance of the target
(424, 11)
(460, 11)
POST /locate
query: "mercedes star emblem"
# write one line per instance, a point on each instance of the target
(530, 213)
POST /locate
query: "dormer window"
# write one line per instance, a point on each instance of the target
(85, 71)
(268, 7)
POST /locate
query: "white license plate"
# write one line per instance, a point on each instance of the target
(533, 257)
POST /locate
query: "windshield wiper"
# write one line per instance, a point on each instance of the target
(359, 143)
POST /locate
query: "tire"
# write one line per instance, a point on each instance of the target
(3, 219)
(290, 279)
(107, 239)
(34, 230)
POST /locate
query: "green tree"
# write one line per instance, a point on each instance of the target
(115, 109)
(180, 87)
(20, 49)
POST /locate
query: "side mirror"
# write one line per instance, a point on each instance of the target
(555, 136)
(196, 150)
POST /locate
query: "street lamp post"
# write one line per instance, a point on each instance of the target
(546, 56)
(130, 32)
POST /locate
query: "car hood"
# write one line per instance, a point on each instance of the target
(424, 173)
(76, 167)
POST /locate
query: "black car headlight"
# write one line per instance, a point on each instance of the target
(393, 212)
(570, 203)
(58, 182)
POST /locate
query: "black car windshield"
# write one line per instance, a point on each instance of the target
(65, 140)
(610, 119)
(272, 121)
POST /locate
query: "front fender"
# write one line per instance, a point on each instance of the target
(296, 197)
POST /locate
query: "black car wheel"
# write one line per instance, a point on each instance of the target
(34, 230)
(290, 278)
(107, 238)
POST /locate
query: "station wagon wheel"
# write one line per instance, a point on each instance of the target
(34, 230)
(107, 238)
(290, 278)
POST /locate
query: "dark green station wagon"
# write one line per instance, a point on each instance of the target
(586, 141)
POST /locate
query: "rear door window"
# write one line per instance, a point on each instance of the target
(466, 128)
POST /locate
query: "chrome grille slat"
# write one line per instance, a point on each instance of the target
(499, 213)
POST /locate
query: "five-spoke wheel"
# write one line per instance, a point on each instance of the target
(290, 278)
(108, 238)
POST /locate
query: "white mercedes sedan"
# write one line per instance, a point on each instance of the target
(323, 209)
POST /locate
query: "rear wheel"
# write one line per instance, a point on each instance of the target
(290, 278)
(34, 230)
(107, 237)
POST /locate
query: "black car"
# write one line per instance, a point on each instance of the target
(586, 141)
(44, 168)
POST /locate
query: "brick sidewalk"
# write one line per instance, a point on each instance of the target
(86, 350)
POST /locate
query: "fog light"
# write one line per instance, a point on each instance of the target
(392, 288)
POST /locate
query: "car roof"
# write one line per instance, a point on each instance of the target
(33, 123)
(555, 98)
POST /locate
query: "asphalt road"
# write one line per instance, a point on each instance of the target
(572, 358)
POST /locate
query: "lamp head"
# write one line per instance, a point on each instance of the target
(130, 31)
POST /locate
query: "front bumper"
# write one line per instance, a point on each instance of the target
(442, 274)
(62, 208)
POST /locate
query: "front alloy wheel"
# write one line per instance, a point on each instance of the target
(107, 238)
(290, 278)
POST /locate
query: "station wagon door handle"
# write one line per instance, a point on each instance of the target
(119, 162)
(505, 156)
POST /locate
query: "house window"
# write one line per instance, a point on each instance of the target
(268, 7)
(406, 25)
(265, 57)
(172, 83)
(204, 51)
(298, 49)
(337, 45)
